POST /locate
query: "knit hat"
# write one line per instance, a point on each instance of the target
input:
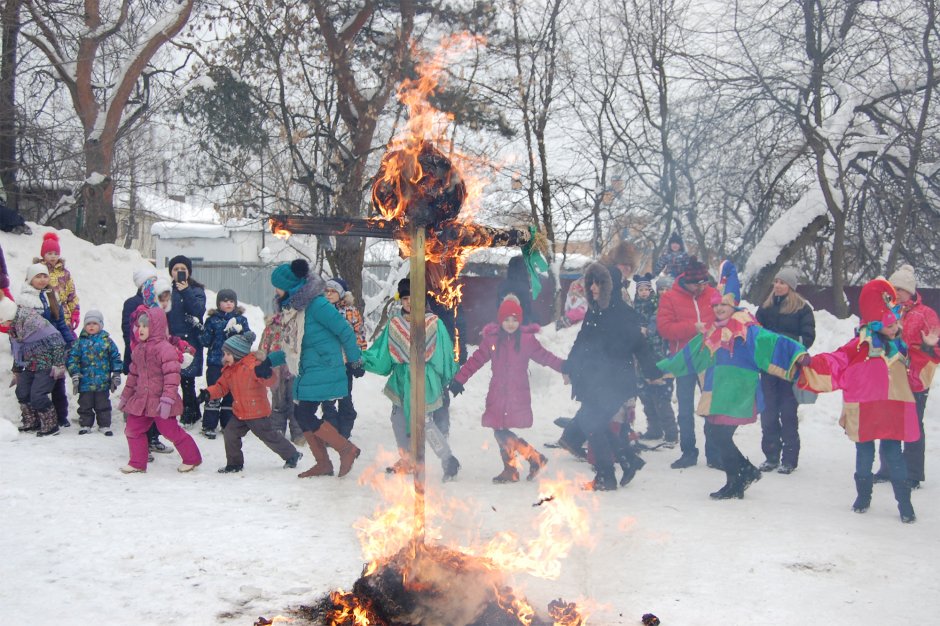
(903, 278)
(143, 274)
(695, 272)
(94, 315)
(288, 276)
(239, 345)
(226, 295)
(404, 288)
(643, 280)
(789, 276)
(179, 258)
(729, 287)
(676, 238)
(338, 285)
(7, 308)
(50, 243)
(664, 282)
(509, 307)
(34, 269)
(876, 304)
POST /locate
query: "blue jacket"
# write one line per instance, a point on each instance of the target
(185, 321)
(95, 358)
(214, 333)
(326, 336)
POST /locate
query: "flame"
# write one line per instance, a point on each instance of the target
(278, 229)
(350, 611)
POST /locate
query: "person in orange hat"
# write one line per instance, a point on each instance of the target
(871, 371)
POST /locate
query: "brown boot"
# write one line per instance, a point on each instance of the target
(508, 475)
(348, 452)
(536, 459)
(30, 419)
(48, 421)
(323, 466)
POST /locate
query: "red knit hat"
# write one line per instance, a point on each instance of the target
(876, 301)
(50, 243)
(509, 307)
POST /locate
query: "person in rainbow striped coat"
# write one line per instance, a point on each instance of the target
(729, 357)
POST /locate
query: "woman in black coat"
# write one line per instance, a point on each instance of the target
(787, 313)
(601, 370)
(185, 320)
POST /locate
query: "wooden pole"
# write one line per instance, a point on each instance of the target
(417, 235)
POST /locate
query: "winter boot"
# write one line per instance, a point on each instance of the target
(630, 467)
(451, 467)
(323, 466)
(769, 465)
(863, 487)
(604, 480)
(30, 419)
(348, 452)
(48, 422)
(902, 493)
(509, 474)
(291, 463)
(230, 469)
(733, 489)
(749, 474)
(688, 459)
(537, 461)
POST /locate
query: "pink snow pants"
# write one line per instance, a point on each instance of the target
(136, 432)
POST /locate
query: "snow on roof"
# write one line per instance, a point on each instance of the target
(185, 230)
(787, 228)
(171, 210)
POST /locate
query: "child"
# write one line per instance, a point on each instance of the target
(226, 320)
(151, 394)
(656, 397)
(508, 401)
(38, 361)
(871, 371)
(576, 305)
(390, 355)
(95, 366)
(282, 395)
(60, 279)
(729, 355)
(247, 377)
(36, 293)
(342, 413)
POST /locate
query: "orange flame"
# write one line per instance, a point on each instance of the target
(350, 611)
(278, 229)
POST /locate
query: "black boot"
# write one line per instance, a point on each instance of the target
(630, 462)
(748, 473)
(863, 487)
(734, 488)
(604, 480)
(902, 493)
(688, 459)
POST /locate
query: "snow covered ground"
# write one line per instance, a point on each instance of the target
(82, 543)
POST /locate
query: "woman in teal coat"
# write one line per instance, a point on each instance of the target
(315, 338)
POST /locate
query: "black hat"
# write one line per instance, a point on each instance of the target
(404, 288)
(179, 258)
(676, 238)
(226, 295)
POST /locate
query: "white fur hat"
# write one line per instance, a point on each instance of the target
(903, 278)
(34, 269)
(7, 309)
(162, 285)
(141, 275)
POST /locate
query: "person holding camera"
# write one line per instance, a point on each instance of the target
(185, 319)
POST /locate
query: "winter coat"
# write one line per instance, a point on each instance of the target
(185, 320)
(877, 399)
(214, 333)
(601, 362)
(389, 356)
(576, 303)
(731, 357)
(647, 309)
(60, 281)
(324, 339)
(799, 325)
(916, 317)
(181, 346)
(678, 313)
(354, 318)
(673, 262)
(45, 302)
(94, 358)
(508, 401)
(154, 373)
(130, 305)
(37, 345)
(250, 393)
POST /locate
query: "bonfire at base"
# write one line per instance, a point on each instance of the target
(435, 586)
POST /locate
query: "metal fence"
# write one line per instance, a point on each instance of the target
(251, 281)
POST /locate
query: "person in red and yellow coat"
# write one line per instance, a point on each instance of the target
(871, 371)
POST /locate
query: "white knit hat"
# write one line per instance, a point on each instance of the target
(903, 278)
(141, 275)
(7, 309)
(34, 269)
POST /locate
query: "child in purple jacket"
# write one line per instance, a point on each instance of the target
(151, 394)
(508, 402)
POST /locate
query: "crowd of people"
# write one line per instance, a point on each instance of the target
(678, 331)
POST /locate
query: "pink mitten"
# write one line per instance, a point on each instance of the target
(166, 405)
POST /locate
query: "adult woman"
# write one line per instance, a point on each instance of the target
(784, 312)
(185, 319)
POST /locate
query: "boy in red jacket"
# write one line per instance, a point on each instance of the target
(247, 377)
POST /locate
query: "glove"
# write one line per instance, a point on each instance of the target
(76, 318)
(166, 405)
(232, 327)
(455, 388)
(264, 369)
(186, 361)
(194, 321)
(804, 360)
(115, 380)
(75, 381)
(57, 372)
(203, 396)
(356, 369)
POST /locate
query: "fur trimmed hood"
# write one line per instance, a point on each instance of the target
(302, 298)
(597, 273)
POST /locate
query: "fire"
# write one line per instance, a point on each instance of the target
(278, 229)
(351, 612)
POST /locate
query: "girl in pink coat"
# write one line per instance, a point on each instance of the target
(151, 394)
(508, 402)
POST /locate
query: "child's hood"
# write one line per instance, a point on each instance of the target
(29, 297)
(492, 329)
(158, 324)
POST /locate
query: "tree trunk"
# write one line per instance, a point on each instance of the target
(8, 163)
(98, 224)
(840, 306)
